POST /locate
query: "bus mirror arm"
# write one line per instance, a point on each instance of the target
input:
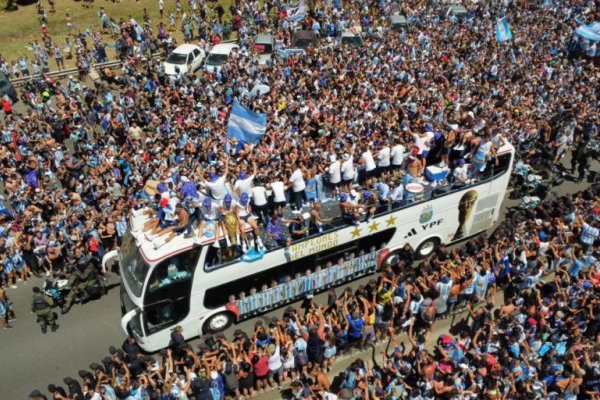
(107, 257)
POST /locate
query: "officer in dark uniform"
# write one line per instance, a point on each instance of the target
(85, 276)
(41, 305)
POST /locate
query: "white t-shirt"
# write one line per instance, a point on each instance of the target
(278, 191)
(217, 188)
(347, 170)
(275, 360)
(297, 180)
(384, 157)
(259, 194)
(422, 142)
(369, 161)
(244, 185)
(335, 172)
(397, 154)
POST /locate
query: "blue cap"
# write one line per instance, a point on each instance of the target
(244, 198)
(243, 175)
(207, 202)
(343, 197)
(178, 159)
(366, 194)
(461, 161)
(213, 177)
(227, 198)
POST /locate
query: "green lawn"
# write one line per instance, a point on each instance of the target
(19, 27)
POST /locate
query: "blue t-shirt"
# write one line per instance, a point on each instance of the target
(355, 326)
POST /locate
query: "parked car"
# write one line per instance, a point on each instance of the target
(185, 58)
(398, 22)
(303, 39)
(7, 88)
(264, 46)
(352, 37)
(218, 55)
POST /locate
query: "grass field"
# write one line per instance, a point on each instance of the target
(21, 26)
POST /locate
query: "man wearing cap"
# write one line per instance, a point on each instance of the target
(42, 305)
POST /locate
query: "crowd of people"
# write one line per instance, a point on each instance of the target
(441, 93)
(541, 342)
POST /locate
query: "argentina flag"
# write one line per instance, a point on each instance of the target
(245, 124)
(503, 32)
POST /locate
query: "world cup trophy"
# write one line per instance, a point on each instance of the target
(465, 208)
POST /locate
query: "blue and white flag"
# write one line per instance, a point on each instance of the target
(503, 32)
(245, 124)
(296, 13)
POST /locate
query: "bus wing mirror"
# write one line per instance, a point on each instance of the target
(127, 318)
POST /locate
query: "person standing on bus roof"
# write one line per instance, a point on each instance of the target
(217, 184)
(245, 216)
(209, 212)
(335, 174)
(347, 172)
(244, 183)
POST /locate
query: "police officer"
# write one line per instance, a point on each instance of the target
(41, 305)
(85, 276)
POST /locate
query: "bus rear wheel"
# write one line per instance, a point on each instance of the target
(427, 248)
(391, 259)
(218, 322)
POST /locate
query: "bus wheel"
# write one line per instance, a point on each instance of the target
(427, 248)
(218, 322)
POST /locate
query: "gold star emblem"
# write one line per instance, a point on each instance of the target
(356, 232)
(374, 226)
(391, 221)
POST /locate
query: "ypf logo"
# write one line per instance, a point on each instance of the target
(426, 215)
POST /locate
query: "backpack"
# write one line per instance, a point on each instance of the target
(301, 358)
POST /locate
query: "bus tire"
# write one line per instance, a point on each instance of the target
(218, 322)
(427, 247)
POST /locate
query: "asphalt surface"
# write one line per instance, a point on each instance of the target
(31, 360)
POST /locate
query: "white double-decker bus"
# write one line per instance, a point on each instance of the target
(196, 286)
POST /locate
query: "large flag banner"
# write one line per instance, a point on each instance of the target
(245, 124)
(296, 13)
(503, 32)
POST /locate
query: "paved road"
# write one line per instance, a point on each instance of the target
(31, 360)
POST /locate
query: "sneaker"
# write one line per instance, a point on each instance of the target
(296, 212)
(7, 327)
(47, 273)
(13, 286)
(216, 244)
(44, 329)
(187, 235)
(54, 327)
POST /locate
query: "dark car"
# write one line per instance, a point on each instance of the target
(303, 39)
(7, 88)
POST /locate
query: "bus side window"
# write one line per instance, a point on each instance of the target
(175, 269)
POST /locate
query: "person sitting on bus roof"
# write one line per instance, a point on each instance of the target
(174, 230)
(277, 231)
(245, 216)
(348, 210)
(397, 191)
(165, 217)
(209, 215)
(298, 228)
(315, 224)
(461, 174)
(369, 204)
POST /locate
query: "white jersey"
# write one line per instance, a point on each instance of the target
(347, 170)
(217, 188)
(244, 185)
(397, 154)
(278, 191)
(369, 160)
(259, 194)
(335, 172)
(383, 158)
(297, 180)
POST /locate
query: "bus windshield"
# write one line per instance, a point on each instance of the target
(133, 266)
